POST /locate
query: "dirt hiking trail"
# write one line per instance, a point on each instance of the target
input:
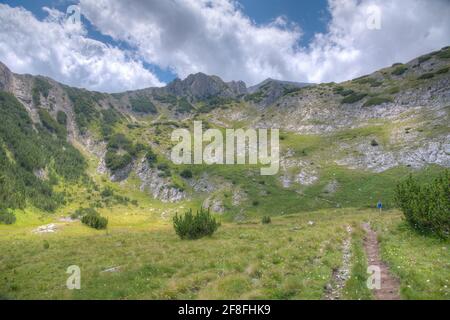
(390, 286)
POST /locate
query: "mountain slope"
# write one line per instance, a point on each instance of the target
(362, 135)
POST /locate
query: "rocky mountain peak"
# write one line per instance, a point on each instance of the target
(200, 86)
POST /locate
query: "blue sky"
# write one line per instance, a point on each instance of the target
(312, 15)
(150, 42)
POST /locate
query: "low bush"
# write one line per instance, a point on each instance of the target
(445, 54)
(151, 156)
(426, 76)
(115, 161)
(375, 101)
(343, 92)
(51, 124)
(142, 105)
(399, 70)
(442, 71)
(164, 170)
(266, 220)
(183, 106)
(192, 227)
(186, 173)
(426, 206)
(94, 220)
(107, 192)
(393, 90)
(424, 58)
(354, 97)
(7, 217)
(61, 117)
(81, 212)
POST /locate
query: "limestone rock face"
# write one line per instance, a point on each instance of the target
(5, 78)
(160, 188)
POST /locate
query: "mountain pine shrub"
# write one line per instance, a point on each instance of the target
(192, 227)
(426, 76)
(443, 70)
(376, 101)
(7, 217)
(61, 117)
(400, 70)
(186, 173)
(424, 58)
(354, 97)
(426, 207)
(94, 220)
(142, 104)
(266, 220)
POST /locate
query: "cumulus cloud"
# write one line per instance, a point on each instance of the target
(61, 50)
(216, 37)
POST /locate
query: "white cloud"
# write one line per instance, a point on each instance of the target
(63, 51)
(214, 36)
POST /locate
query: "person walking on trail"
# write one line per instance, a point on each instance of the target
(380, 205)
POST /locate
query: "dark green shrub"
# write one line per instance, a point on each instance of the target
(183, 106)
(368, 80)
(115, 161)
(151, 156)
(81, 212)
(94, 220)
(426, 206)
(107, 192)
(41, 86)
(424, 58)
(51, 124)
(163, 167)
(110, 116)
(186, 173)
(343, 92)
(168, 99)
(393, 90)
(426, 76)
(61, 117)
(192, 227)
(266, 220)
(256, 97)
(142, 105)
(7, 217)
(354, 97)
(84, 106)
(442, 71)
(375, 101)
(120, 152)
(399, 70)
(445, 53)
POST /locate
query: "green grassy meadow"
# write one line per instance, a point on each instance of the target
(288, 259)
